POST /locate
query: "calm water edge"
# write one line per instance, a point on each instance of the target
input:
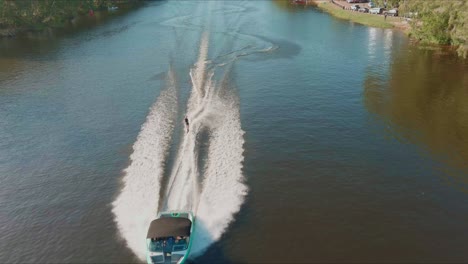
(353, 143)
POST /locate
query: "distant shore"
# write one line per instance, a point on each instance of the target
(363, 18)
(18, 18)
(341, 9)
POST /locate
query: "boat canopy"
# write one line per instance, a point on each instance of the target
(169, 226)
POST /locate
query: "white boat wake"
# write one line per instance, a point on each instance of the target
(216, 195)
(137, 202)
(215, 192)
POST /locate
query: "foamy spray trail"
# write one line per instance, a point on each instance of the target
(182, 192)
(137, 203)
(198, 73)
(222, 184)
(223, 188)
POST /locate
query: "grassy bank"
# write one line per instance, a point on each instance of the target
(358, 17)
(436, 22)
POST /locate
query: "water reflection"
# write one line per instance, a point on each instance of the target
(290, 6)
(388, 43)
(32, 50)
(372, 42)
(380, 37)
(43, 42)
(425, 101)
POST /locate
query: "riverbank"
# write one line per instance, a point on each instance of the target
(18, 17)
(364, 18)
(430, 29)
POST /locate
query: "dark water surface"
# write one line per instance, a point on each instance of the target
(356, 142)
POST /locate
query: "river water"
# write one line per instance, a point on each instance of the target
(311, 139)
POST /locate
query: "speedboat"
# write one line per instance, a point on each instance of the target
(169, 237)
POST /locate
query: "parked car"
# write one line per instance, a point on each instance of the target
(356, 1)
(355, 7)
(409, 16)
(364, 10)
(371, 5)
(393, 12)
(376, 10)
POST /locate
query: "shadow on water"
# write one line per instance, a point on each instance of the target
(216, 252)
(283, 49)
(424, 102)
(159, 76)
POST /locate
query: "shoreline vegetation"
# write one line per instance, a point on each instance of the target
(436, 22)
(358, 17)
(17, 17)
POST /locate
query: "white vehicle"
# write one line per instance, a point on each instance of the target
(393, 12)
(376, 10)
(364, 10)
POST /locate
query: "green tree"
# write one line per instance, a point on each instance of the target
(439, 22)
(388, 3)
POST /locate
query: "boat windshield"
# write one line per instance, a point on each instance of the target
(169, 244)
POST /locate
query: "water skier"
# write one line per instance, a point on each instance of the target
(186, 123)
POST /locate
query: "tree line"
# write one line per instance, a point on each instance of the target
(443, 22)
(35, 14)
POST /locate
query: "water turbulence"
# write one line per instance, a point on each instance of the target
(136, 205)
(217, 194)
(214, 192)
